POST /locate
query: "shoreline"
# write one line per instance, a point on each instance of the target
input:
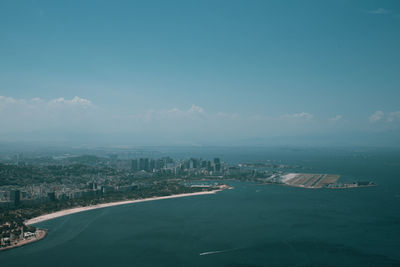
(62, 213)
(306, 187)
(41, 234)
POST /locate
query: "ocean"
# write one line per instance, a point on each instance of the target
(252, 225)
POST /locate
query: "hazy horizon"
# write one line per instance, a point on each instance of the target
(186, 73)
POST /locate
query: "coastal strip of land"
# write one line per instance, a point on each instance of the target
(111, 204)
(38, 235)
(318, 180)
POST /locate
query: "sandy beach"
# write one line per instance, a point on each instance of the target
(111, 204)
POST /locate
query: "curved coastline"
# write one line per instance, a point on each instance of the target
(42, 233)
(61, 213)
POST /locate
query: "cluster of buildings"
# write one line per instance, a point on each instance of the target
(16, 197)
(167, 166)
(11, 235)
(12, 196)
(194, 167)
(133, 174)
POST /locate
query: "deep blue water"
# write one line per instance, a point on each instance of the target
(252, 225)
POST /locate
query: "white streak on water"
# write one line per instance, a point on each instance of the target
(215, 252)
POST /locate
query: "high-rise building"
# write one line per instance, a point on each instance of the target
(194, 163)
(217, 167)
(191, 164)
(152, 164)
(144, 164)
(141, 164)
(217, 164)
(204, 164)
(209, 167)
(168, 160)
(160, 164)
(92, 185)
(135, 165)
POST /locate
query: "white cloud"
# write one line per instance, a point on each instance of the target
(388, 118)
(21, 115)
(299, 116)
(196, 109)
(76, 101)
(336, 118)
(173, 114)
(393, 116)
(7, 100)
(377, 116)
(80, 115)
(36, 99)
(378, 11)
(174, 110)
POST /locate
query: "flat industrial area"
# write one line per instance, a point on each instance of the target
(310, 180)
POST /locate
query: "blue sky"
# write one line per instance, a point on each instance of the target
(200, 72)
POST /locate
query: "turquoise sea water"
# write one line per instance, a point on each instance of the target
(252, 225)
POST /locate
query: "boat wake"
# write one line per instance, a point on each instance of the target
(215, 252)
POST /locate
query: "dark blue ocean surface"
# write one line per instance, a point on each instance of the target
(252, 225)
